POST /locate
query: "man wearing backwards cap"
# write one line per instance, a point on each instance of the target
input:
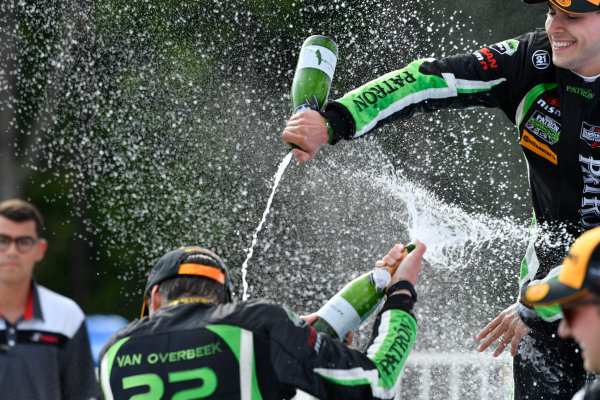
(546, 82)
(577, 291)
(197, 344)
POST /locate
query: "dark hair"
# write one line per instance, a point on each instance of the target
(20, 211)
(193, 286)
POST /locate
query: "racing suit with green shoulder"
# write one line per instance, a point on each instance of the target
(557, 113)
(252, 350)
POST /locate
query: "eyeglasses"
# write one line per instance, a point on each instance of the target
(24, 243)
(570, 309)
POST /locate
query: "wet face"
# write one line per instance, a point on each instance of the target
(16, 265)
(582, 323)
(575, 40)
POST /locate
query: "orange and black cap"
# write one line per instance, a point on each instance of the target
(192, 261)
(572, 6)
(580, 275)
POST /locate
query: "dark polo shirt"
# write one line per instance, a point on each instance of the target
(46, 354)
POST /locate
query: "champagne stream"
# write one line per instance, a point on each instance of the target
(284, 163)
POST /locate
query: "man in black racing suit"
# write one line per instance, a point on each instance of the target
(196, 344)
(546, 84)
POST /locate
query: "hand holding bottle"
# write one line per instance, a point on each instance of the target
(345, 311)
(307, 130)
(408, 266)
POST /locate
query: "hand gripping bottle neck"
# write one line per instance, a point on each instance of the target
(345, 311)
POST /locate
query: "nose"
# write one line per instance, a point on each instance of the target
(555, 23)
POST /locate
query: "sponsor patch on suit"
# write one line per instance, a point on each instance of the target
(531, 143)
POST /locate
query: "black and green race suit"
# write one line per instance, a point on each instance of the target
(252, 350)
(556, 111)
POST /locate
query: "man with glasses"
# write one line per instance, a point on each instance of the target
(44, 347)
(577, 291)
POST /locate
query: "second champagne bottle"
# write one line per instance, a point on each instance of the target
(345, 311)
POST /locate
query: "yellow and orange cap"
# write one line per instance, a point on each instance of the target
(580, 274)
(572, 6)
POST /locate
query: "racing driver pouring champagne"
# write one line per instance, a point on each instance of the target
(546, 82)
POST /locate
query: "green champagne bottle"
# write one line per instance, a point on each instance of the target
(345, 311)
(314, 73)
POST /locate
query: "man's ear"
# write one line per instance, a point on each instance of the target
(156, 300)
(40, 249)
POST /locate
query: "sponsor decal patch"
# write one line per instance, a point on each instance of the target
(544, 127)
(553, 101)
(541, 59)
(44, 338)
(531, 143)
(507, 47)
(583, 92)
(486, 59)
(550, 105)
(591, 134)
(590, 202)
(371, 95)
(398, 349)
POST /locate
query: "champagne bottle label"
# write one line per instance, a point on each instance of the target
(318, 57)
(340, 315)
